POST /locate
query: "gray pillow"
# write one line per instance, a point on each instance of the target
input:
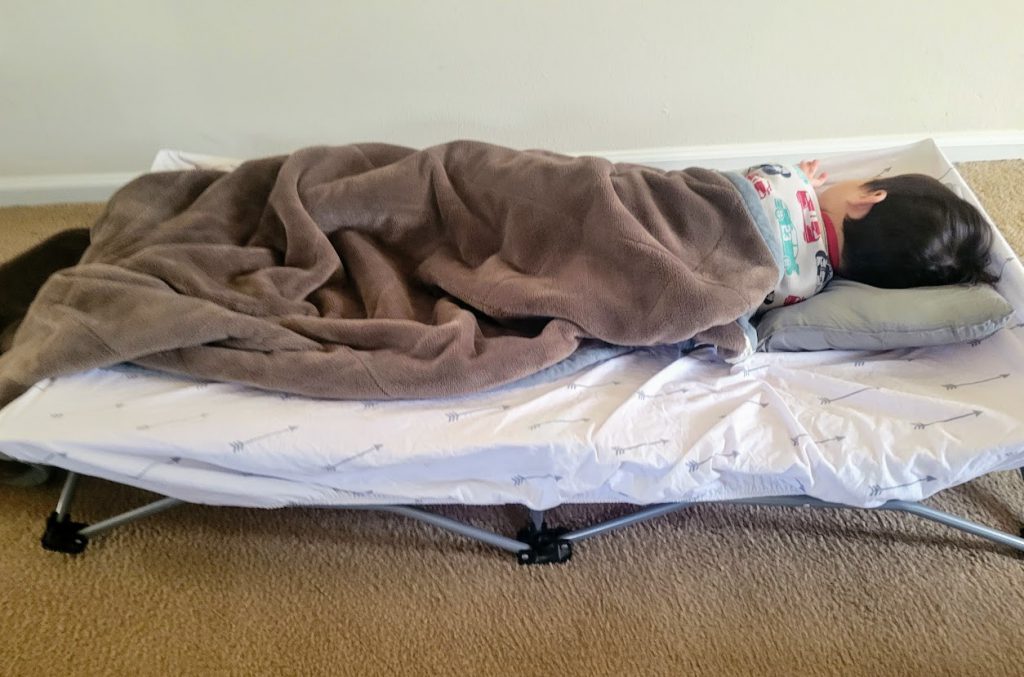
(848, 315)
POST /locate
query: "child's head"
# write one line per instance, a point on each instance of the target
(909, 231)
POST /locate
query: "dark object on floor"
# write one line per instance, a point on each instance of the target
(16, 474)
(22, 277)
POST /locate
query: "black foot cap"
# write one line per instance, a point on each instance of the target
(63, 536)
(546, 545)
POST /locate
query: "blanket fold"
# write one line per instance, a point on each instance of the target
(376, 271)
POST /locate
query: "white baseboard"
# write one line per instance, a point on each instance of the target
(51, 188)
(958, 147)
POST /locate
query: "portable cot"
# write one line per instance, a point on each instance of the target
(649, 427)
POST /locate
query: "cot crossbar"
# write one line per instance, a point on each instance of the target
(910, 507)
(440, 521)
(535, 543)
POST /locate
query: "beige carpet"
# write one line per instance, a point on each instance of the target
(711, 591)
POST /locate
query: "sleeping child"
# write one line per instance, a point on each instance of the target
(375, 271)
(904, 231)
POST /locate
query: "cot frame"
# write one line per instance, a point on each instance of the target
(535, 543)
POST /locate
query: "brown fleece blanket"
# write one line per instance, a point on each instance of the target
(375, 271)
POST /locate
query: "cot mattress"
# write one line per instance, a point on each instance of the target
(650, 426)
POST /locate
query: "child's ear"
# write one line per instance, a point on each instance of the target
(861, 204)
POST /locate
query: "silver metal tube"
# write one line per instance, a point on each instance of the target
(537, 519)
(488, 537)
(789, 501)
(619, 522)
(67, 495)
(955, 522)
(899, 506)
(130, 516)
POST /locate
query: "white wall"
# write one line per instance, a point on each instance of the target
(99, 86)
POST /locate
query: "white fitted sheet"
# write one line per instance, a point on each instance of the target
(646, 427)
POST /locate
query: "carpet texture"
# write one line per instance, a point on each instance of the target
(713, 590)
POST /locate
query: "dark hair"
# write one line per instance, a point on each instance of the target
(921, 234)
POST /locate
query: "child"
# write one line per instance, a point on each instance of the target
(904, 231)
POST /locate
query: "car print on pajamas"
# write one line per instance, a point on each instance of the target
(763, 188)
(790, 248)
(824, 270)
(780, 170)
(812, 224)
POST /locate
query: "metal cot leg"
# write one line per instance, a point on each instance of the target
(130, 516)
(900, 506)
(488, 537)
(64, 535)
(639, 516)
(956, 523)
(1022, 477)
(61, 534)
(544, 545)
(536, 543)
(67, 496)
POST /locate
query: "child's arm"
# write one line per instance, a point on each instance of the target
(810, 168)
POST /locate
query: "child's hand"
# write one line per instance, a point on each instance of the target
(810, 168)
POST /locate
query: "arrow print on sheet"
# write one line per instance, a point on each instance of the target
(535, 426)
(585, 386)
(837, 438)
(174, 460)
(922, 426)
(642, 396)
(49, 457)
(796, 440)
(694, 466)
(454, 416)
(954, 386)
(150, 426)
(370, 493)
(61, 414)
(757, 402)
(239, 445)
(830, 400)
(357, 494)
(518, 480)
(364, 452)
(619, 451)
(877, 489)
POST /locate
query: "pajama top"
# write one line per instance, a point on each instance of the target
(791, 204)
